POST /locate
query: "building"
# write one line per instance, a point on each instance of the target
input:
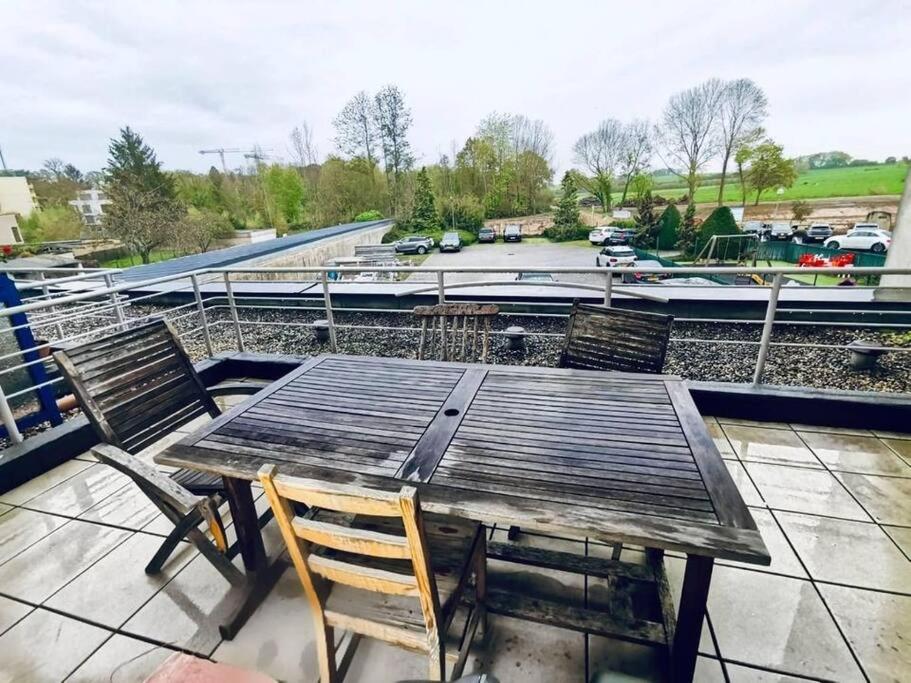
(17, 196)
(90, 205)
(9, 229)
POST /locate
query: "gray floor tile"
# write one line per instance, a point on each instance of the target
(4, 509)
(745, 674)
(114, 588)
(777, 622)
(854, 553)
(80, 492)
(776, 446)
(784, 561)
(886, 499)
(43, 482)
(46, 647)
(744, 485)
(21, 528)
(45, 567)
(718, 436)
(901, 446)
(902, 536)
(892, 435)
(127, 507)
(121, 660)
(188, 610)
(753, 423)
(804, 490)
(877, 626)
(863, 454)
(849, 431)
(11, 611)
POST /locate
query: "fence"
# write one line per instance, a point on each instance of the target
(791, 252)
(68, 309)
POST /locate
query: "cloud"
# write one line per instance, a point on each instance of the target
(210, 74)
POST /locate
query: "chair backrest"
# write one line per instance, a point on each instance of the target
(603, 338)
(458, 332)
(300, 533)
(135, 386)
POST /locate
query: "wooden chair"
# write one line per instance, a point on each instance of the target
(136, 387)
(371, 563)
(602, 338)
(455, 331)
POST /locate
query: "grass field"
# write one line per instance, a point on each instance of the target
(852, 181)
(128, 261)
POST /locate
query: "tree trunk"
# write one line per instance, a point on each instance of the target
(629, 177)
(724, 173)
(743, 185)
(758, 192)
(691, 185)
(144, 255)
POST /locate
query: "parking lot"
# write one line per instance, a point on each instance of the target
(514, 257)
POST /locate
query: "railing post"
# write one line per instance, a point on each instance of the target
(6, 416)
(608, 287)
(767, 328)
(441, 287)
(115, 299)
(233, 308)
(330, 318)
(202, 315)
(53, 309)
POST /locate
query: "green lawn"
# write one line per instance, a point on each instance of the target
(852, 181)
(128, 261)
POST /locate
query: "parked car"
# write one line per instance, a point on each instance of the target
(754, 228)
(451, 242)
(414, 244)
(535, 277)
(865, 226)
(513, 233)
(487, 235)
(615, 256)
(815, 234)
(607, 235)
(637, 277)
(874, 239)
(780, 232)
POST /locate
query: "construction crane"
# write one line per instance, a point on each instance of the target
(221, 151)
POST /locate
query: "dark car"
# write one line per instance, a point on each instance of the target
(513, 233)
(414, 244)
(621, 236)
(487, 235)
(451, 242)
(815, 234)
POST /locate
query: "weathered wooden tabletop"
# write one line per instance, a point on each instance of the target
(614, 456)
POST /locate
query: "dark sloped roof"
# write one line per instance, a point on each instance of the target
(221, 258)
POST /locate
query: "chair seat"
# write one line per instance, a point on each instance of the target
(200, 483)
(451, 542)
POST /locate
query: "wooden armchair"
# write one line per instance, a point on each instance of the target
(455, 331)
(603, 338)
(370, 562)
(136, 387)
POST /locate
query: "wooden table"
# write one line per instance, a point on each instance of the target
(621, 458)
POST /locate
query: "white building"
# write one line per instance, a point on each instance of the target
(90, 205)
(16, 199)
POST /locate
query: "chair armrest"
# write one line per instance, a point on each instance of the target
(147, 477)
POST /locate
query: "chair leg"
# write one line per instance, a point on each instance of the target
(325, 650)
(513, 533)
(170, 543)
(480, 584)
(616, 549)
(224, 566)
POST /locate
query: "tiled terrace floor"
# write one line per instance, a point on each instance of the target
(834, 507)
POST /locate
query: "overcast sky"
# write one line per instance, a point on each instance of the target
(193, 75)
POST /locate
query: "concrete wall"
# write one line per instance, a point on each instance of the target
(898, 287)
(312, 255)
(246, 237)
(16, 196)
(9, 229)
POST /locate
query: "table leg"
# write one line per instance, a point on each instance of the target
(261, 576)
(694, 594)
(246, 523)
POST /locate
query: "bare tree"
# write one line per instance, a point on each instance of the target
(355, 128)
(393, 120)
(637, 152)
(532, 135)
(600, 152)
(689, 130)
(743, 108)
(302, 148)
(53, 168)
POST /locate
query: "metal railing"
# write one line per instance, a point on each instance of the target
(221, 306)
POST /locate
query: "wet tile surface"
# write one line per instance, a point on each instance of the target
(42, 483)
(852, 553)
(77, 494)
(804, 490)
(121, 660)
(878, 626)
(744, 485)
(21, 528)
(777, 446)
(901, 536)
(45, 646)
(127, 507)
(863, 454)
(11, 611)
(886, 499)
(784, 561)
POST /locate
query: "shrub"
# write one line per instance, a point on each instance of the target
(670, 224)
(371, 215)
(720, 222)
(566, 234)
(465, 213)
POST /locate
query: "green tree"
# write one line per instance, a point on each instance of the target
(424, 214)
(686, 240)
(647, 225)
(641, 184)
(462, 213)
(346, 188)
(371, 215)
(567, 213)
(669, 224)
(285, 191)
(770, 169)
(720, 222)
(800, 210)
(143, 211)
(199, 229)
